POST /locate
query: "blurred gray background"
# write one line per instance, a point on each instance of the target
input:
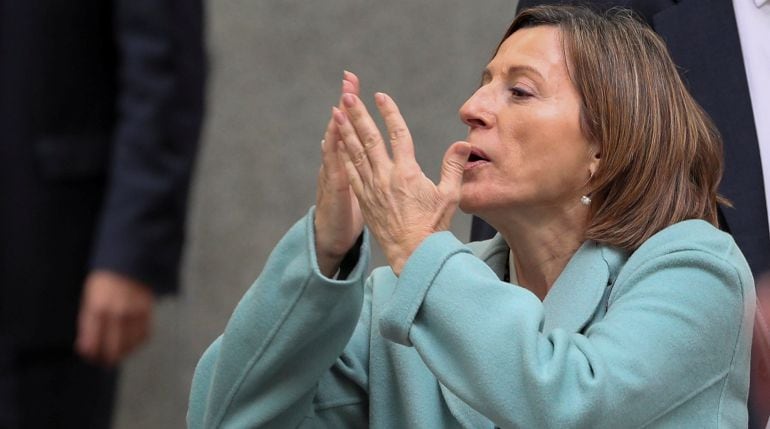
(275, 71)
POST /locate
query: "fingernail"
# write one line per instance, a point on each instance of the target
(347, 86)
(346, 75)
(348, 100)
(379, 97)
(339, 117)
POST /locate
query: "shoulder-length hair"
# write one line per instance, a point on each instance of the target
(661, 156)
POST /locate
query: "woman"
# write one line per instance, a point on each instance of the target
(609, 299)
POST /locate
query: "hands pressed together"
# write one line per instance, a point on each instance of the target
(359, 183)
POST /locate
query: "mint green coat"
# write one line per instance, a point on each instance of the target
(659, 339)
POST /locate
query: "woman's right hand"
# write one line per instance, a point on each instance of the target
(338, 221)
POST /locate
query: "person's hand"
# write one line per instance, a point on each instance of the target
(400, 205)
(338, 221)
(115, 317)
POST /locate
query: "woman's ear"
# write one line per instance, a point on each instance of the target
(595, 158)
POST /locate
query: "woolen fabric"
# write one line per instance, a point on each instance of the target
(659, 338)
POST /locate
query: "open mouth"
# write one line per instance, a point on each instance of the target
(476, 158)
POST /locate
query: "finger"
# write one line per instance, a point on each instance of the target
(350, 83)
(352, 171)
(353, 148)
(368, 133)
(398, 132)
(88, 341)
(135, 331)
(142, 325)
(329, 157)
(114, 342)
(452, 169)
(329, 151)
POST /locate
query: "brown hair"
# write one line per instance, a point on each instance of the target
(661, 156)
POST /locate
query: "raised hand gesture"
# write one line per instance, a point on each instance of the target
(400, 205)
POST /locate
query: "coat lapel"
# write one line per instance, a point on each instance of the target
(569, 305)
(578, 291)
(494, 252)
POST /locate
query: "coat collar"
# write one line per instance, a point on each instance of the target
(578, 291)
(570, 304)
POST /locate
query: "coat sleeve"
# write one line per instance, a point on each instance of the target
(160, 77)
(671, 331)
(295, 351)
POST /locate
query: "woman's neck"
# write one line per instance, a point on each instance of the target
(541, 246)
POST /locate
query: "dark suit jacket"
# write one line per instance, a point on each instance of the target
(100, 110)
(702, 37)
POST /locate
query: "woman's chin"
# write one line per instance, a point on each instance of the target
(471, 204)
(480, 199)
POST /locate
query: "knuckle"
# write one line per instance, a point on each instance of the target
(398, 133)
(370, 141)
(358, 159)
(409, 174)
(382, 178)
(452, 199)
(454, 166)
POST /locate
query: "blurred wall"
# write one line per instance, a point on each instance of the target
(275, 71)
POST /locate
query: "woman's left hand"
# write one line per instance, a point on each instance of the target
(400, 205)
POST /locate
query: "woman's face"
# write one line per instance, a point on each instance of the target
(528, 150)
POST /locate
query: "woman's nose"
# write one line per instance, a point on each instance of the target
(475, 111)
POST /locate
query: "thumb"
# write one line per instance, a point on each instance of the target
(452, 168)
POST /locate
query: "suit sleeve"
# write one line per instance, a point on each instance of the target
(295, 352)
(159, 113)
(672, 330)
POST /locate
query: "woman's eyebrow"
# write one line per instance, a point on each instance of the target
(486, 75)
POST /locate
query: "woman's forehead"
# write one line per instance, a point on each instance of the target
(537, 48)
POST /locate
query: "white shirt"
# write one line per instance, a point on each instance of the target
(753, 19)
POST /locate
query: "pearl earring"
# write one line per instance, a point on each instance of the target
(585, 199)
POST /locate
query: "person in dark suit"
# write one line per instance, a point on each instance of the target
(101, 104)
(703, 39)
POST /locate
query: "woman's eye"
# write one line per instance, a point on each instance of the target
(519, 92)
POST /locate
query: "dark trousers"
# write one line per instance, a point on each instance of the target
(53, 388)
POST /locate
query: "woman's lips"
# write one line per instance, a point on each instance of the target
(476, 159)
